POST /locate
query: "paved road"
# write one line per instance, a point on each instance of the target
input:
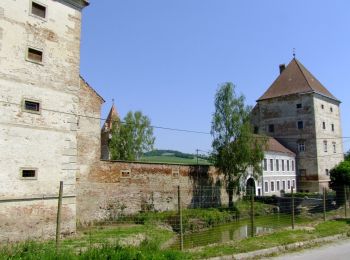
(335, 251)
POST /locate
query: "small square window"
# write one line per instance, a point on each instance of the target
(299, 106)
(32, 106)
(126, 173)
(271, 128)
(29, 173)
(38, 10)
(176, 173)
(300, 124)
(35, 55)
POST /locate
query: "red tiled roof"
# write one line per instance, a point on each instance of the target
(295, 79)
(273, 145)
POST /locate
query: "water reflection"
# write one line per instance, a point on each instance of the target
(233, 231)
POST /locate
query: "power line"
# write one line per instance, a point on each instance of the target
(167, 128)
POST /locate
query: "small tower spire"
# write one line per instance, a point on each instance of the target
(293, 53)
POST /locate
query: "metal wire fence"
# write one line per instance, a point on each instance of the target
(203, 221)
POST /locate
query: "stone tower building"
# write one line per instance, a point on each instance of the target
(39, 86)
(304, 116)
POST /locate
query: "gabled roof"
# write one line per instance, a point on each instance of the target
(88, 85)
(294, 79)
(272, 145)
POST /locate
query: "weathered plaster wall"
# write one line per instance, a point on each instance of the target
(45, 141)
(327, 111)
(105, 187)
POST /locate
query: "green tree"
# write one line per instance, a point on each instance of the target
(347, 156)
(235, 147)
(132, 137)
(340, 178)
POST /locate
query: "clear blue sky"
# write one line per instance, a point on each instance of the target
(167, 58)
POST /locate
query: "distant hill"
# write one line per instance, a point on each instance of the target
(171, 156)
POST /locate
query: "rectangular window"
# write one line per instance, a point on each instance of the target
(327, 172)
(288, 184)
(334, 147)
(272, 186)
(278, 185)
(324, 125)
(332, 125)
(322, 106)
(283, 185)
(256, 130)
(32, 106)
(29, 173)
(277, 165)
(287, 165)
(331, 109)
(299, 106)
(293, 166)
(266, 186)
(271, 128)
(300, 124)
(301, 146)
(38, 10)
(271, 164)
(293, 185)
(282, 165)
(35, 55)
(325, 147)
(265, 164)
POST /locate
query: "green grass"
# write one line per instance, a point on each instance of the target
(174, 159)
(108, 241)
(278, 238)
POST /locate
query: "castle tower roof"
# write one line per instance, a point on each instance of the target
(295, 79)
(112, 117)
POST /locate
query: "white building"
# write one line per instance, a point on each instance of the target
(279, 171)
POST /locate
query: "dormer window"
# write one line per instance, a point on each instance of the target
(38, 10)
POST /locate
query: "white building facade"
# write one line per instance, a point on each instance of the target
(278, 171)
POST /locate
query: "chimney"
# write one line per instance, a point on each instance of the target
(282, 67)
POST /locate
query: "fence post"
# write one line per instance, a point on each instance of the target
(58, 221)
(293, 219)
(324, 203)
(345, 202)
(252, 210)
(180, 218)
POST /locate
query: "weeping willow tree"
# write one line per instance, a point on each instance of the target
(235, 147)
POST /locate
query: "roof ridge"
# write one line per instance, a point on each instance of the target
(302, 72)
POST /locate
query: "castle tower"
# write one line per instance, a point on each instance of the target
(106, 132)
(304, 116)
(39, 86)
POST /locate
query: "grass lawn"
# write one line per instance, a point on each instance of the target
(174, 159)
(147, 239)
